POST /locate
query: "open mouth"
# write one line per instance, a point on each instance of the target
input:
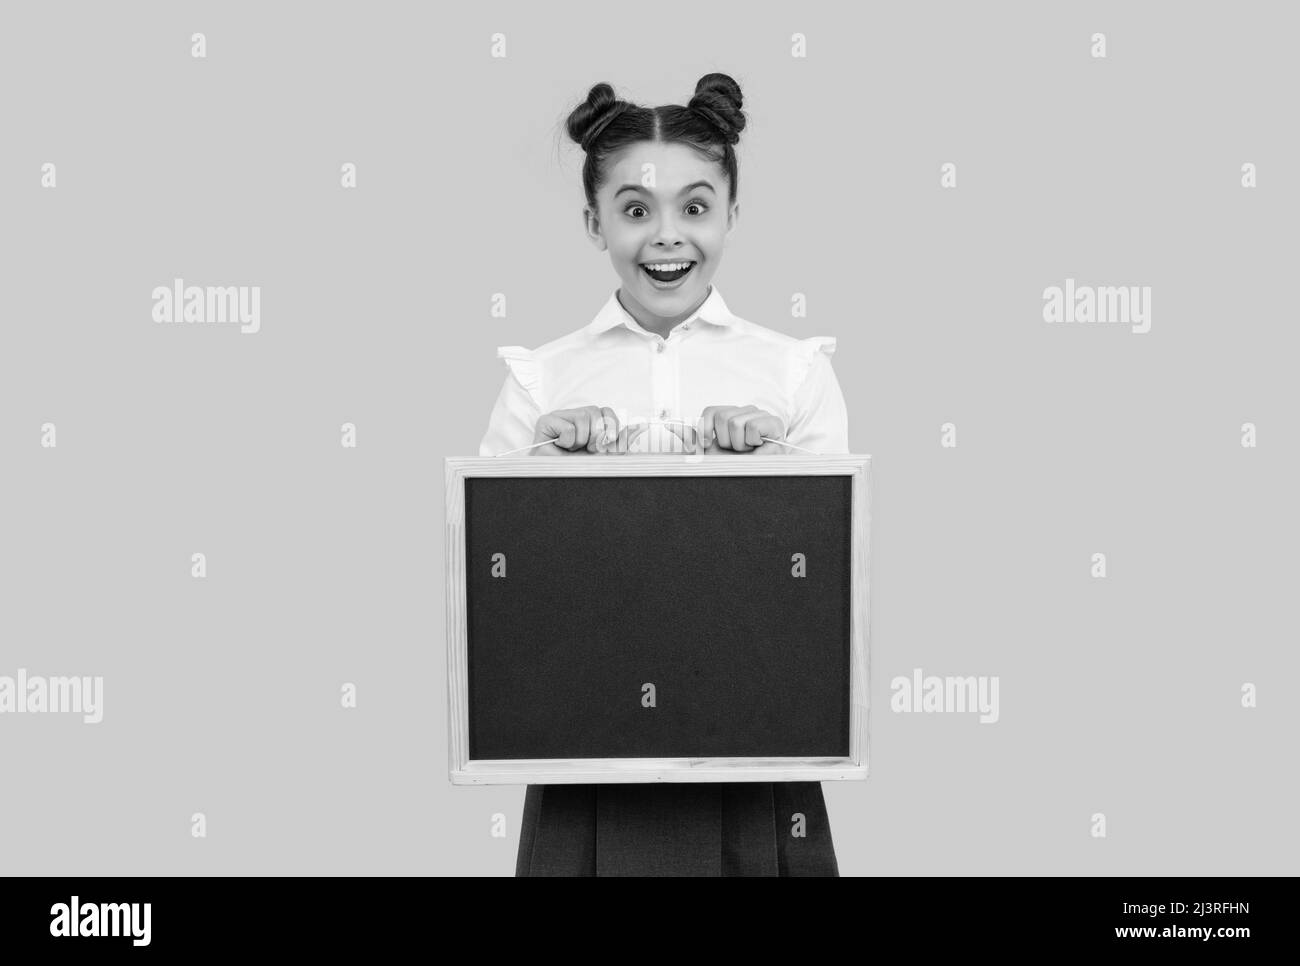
(670, 274)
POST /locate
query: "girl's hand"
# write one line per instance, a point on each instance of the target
(591, 429)
(733, 428)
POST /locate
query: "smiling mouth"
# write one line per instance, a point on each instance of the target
(671, 276)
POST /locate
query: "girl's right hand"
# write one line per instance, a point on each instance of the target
(591, 429)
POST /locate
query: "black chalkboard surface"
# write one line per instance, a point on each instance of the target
(582, 591)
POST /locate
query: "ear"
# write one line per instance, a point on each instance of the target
(591, 224)
(733, 216)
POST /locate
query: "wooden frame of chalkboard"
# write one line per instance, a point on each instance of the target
(847, 696)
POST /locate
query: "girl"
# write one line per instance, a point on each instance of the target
(667, 354)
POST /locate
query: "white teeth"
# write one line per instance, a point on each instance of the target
(672, 267)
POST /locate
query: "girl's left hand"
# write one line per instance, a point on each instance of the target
(733, 429)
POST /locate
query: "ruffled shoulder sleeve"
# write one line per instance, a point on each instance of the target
(526, 369)
(805, 354)
(819, 417)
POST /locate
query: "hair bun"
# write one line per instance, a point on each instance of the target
(718, 100)
(591, 117)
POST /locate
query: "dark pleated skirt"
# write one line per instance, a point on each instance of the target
(676, 829)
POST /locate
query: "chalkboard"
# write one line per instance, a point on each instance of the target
(633, 617)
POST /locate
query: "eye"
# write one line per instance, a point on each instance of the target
(699, 204)
(635, 204)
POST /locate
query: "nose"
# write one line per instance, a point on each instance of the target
(666, 233)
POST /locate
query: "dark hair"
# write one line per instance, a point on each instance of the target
(710, 123)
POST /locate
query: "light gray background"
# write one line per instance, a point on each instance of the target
(1119, 696)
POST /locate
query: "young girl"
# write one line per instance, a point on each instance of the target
(665, 366)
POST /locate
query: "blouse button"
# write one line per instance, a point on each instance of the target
(663, 414)
(660, 347)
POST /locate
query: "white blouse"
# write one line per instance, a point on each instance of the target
(713, 358)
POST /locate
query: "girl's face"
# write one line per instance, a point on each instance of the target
(662, 203)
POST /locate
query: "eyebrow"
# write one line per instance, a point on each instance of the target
(689, 187)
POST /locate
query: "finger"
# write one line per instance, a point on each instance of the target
(779, 434)
(731, 422)
(582, 420)
(556, 426)
(605, 434)
(596, 443)
(736, 427)
(736, 433)
(596, 421)
(573, 440)
(762, 424)
(720, 428)
(706, 431)
(609, 423)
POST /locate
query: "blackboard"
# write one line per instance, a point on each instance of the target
(581, 591)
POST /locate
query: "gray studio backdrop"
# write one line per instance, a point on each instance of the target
(1145, 718)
